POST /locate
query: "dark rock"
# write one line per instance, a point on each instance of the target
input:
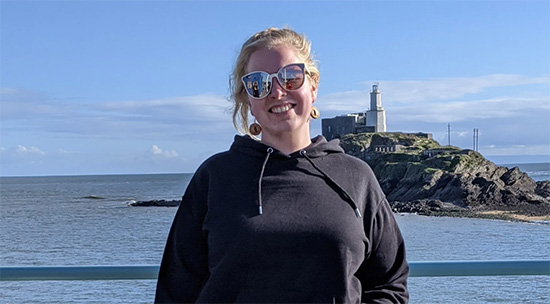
(156, 203)
(543, 189)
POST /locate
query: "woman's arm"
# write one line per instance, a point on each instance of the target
(184, 266)
(385, 270)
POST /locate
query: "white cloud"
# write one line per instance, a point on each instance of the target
(160, 153)
(22, 150)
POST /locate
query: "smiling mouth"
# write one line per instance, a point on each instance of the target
(281, 109)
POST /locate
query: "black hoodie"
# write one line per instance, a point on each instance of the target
(260, 226)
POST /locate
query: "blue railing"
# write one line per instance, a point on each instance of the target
(150, 272)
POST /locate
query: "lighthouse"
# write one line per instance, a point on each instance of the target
(376, 115)
(371, 121)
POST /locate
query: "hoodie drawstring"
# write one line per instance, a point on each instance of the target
(269, 151)
(343, 192)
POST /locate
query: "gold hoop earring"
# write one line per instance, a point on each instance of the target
(314, 113)
(255, 129)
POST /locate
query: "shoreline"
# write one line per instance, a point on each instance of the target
(488, 215)
(510, 215)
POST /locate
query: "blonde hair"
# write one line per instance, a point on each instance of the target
(268, 38)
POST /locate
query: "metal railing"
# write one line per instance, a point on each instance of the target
(150, 272)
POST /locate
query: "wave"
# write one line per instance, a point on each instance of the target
(93, 197)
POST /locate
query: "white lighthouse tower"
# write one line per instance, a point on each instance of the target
(376, 115)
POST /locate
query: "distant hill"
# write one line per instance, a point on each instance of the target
(419, 175)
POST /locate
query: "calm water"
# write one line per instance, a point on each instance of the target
(84, 220)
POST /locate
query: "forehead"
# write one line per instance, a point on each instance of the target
(271, 59)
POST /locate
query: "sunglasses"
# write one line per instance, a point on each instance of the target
(258, 84)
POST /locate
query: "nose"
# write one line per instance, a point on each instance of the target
(277, 91)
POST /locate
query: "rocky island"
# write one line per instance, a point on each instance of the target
(418, 175)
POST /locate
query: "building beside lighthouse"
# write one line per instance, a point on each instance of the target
(372, 120)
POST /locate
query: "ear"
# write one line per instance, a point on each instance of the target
(250, 109)
(314, 92)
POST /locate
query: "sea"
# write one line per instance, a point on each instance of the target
(86, 220)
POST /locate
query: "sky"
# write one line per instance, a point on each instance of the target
(132, 87)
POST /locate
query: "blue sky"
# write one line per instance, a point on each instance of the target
(114, 87)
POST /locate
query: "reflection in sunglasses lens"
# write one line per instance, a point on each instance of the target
(258, 84)
(292, 77)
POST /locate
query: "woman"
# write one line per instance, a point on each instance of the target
(286, 219)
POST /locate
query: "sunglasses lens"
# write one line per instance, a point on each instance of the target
(257, 84)
(292, 76)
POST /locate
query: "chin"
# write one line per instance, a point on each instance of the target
(292, 128)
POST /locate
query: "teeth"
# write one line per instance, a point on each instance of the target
(281, 109)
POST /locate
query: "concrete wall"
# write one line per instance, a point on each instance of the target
(338, 126)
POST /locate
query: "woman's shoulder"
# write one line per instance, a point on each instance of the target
(226, 160)
(215, 161)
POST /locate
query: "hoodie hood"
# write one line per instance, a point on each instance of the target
(319, 147)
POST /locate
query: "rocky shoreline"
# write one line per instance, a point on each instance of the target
(418, 175)
(438, 208)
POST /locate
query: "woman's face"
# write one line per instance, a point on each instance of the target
(281, 111)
